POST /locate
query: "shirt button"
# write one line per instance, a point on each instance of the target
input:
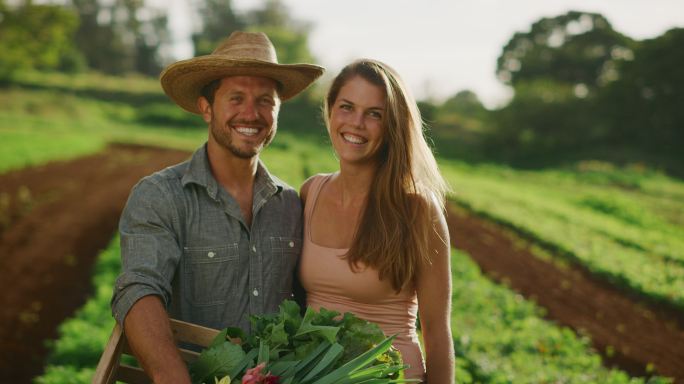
(255, 292)
(253, 250)
(211, 254)
(291, 244)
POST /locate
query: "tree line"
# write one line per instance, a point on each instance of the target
(126, 36)
(581, 88)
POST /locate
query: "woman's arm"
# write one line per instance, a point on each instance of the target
(433, 286)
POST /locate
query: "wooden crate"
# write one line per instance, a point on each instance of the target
(111, 370)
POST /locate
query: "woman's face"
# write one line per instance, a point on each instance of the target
(357, 121)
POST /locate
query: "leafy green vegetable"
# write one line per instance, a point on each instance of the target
(323, 347)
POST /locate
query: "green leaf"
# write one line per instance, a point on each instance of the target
(290, 314)
(372, 372)
(283, 368)
(278, 335)
(216, 361)
(303, 349)
(326, 363)
(264, 353)
(327, 332)
(357, 363)
(219, 339)
(358, 335)
(248, 360)
(310, 360)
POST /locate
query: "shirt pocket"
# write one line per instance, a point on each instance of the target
(211, 274)
(285, 251)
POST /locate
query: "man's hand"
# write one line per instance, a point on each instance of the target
(149, 335)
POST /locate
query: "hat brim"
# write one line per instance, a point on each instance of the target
(183, 81)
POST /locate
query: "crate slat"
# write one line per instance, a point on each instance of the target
(110, 370)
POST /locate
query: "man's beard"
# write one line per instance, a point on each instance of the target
(223, 136)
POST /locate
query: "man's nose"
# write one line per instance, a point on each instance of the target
(249, 110)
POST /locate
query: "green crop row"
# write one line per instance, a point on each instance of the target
(624, 225)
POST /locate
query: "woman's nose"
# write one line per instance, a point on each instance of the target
(357, 119)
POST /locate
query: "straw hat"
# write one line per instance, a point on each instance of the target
(243, 53)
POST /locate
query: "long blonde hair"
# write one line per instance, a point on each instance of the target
(394, 231)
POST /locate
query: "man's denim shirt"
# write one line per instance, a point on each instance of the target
(183, 238)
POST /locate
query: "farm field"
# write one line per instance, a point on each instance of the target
(623, 226)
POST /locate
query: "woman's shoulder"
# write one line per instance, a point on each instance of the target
(307, 185)
(428, 202)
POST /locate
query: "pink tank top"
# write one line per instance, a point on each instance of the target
(330, 283)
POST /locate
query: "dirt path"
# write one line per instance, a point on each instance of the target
(638, 332)
(54, 219)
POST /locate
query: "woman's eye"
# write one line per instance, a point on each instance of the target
(375, 115)
(346, 107)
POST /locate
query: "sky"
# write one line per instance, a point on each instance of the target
(441, 47)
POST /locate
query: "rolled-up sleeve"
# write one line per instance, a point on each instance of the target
(150, 249)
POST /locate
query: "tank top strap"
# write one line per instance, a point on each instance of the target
(314, 190)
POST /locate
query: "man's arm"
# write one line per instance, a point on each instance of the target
(149, 335)
(149, 254)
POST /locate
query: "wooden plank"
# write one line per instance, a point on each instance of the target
(191, 333)
(132, 375)
(187, 355)
(109, 361)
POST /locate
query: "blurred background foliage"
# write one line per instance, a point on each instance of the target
(581, 89)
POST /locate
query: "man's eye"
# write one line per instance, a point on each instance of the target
(267, 101)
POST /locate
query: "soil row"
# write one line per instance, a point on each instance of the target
(56, 220)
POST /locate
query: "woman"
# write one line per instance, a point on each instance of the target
(375, 237)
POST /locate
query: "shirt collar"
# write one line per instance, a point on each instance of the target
(199, 172)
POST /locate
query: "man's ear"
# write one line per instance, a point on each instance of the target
(205, 108)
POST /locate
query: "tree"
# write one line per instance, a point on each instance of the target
(37, 36)
(121, 36)
(545, 119)
(577, 48)
(465, 103)
(644, 104)
(217, 20)
(558, 71)
(289, 36)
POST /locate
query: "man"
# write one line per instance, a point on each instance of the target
(216, 238)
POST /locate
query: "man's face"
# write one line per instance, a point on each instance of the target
(243, 117)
